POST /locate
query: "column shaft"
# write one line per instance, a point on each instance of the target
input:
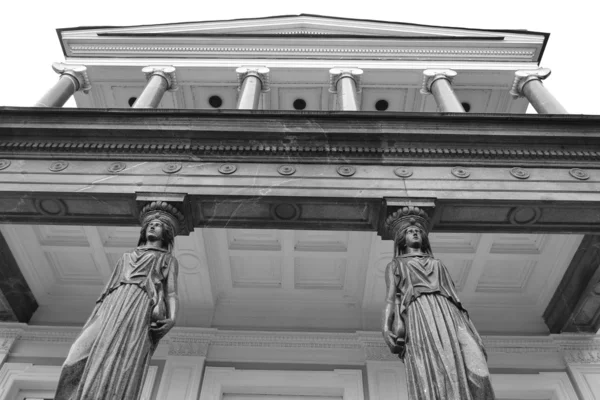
(249, 93)
(152, 93)
(58, 95)
(346, 94)
(445, 97)
(541, 99)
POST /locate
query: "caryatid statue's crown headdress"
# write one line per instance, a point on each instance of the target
(165, 213)
(401, 219)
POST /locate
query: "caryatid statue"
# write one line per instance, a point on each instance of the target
(424, 321)
(138, 306)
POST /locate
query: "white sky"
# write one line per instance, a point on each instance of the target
(29, 44)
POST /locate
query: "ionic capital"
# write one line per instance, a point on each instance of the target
(524, 76)
(335, 74)
(77, 72)
(166, 72)
(262, 73)
(432, 75)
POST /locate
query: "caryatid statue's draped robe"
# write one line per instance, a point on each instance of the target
(110, 357)
(444, 355)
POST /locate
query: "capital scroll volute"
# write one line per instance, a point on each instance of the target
(166, 72)
(77, 72)
(262, 73)
(335, 74)
(523, 77)
(432, 75)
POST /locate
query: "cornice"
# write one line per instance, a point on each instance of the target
(439, 53)
(274, 150)
(198, 341)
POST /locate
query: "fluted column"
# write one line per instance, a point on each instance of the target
(528, 84)
(345, 84)
(160, 79)
(72, 78)
(252, 81)
(439, 83)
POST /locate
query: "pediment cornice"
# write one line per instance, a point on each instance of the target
(302, 36)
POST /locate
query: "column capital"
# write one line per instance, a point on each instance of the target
(524, 76)
(77, 72)
(167, 72)
(335, 74)
(432, 75)
(262, 73)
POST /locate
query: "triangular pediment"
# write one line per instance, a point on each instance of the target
(297, 25)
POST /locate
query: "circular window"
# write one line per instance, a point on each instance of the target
(215, 101)
(299, 104)
(381, 105)
(466, 106)
(131, 101)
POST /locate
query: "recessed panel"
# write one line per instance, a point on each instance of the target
(519, 243)
(383, 99)
(505, 276)
(74, 267)
(255, 271)
(301, 99)
(253, 239)
(117, 236)
(459, 270)
(214, 97)
(321, 241)
(454, 242)
(316, 273)
(61, 235)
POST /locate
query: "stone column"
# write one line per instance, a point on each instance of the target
(345, 84)
(9, 333)
(439, 83)
(528, 84)
(72, 78)
(160, 79)
(252, 81)
(582, 356)
(386, 375)
(184, 368)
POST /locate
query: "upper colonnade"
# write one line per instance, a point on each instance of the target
(345, 86)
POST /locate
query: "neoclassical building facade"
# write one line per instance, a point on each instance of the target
(286, 142)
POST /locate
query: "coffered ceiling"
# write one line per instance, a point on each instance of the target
(300, 280)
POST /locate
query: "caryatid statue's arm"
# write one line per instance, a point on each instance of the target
(392, 325)
(170, 287)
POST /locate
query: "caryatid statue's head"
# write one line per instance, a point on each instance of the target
(160, 221)
(409, 227)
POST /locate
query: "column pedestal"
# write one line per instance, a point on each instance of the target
(72, 78)
(529, 84)
(438, 83)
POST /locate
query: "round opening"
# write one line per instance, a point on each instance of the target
(131, 101)
(299, 104)
(215, 101)
(381, 105)
(466, 106)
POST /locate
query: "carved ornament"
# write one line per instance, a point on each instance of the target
(77, 72)
(262, 73)
(58, 166)
(166, 72)
(335, 74)
(524, 76)
(227, 169)
(286, 170)
(460, 172)
(580, 174)
(403, 172)
(116, 167)
(4, 164)
(346, 170)
(171, 168)
(520, 173)
(432, 75)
